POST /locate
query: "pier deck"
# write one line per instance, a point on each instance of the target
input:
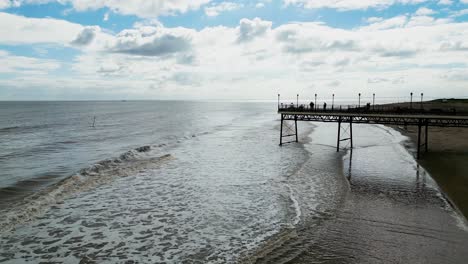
(365, 115)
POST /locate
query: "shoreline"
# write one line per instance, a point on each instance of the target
(445, 161)
(378, 210)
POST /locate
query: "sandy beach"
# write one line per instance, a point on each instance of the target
(446, 161)
(447, 153)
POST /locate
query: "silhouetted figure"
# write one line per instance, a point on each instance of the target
(368, 106)
(324, 106)
(311, 106)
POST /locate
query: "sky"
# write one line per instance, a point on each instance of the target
(232, 50)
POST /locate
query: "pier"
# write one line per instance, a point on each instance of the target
(346, 116)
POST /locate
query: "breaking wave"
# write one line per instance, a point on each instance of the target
(127, 164)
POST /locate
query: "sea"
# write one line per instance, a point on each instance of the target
(207, 182)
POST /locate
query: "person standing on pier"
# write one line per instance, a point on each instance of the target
(324, 106)
(311, 105)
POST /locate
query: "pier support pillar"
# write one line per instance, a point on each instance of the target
(281, 130)
(295, 126)
(422, 123)
(339, 135)
(288, 130)
(426, 136)
(346, 130)
(351, 131)
(419, 139)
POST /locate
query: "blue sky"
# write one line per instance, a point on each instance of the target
(202, 49)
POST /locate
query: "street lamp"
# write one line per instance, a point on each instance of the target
(315, 101)
(373, 101)
(278, 101)
(297, 101)
(411, 100)
(422, 100)
(333, 100)
(359, 102)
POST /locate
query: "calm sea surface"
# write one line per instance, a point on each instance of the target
(162, 181)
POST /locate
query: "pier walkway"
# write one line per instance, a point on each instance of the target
(345, 116)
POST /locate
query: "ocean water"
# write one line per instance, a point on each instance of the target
(206, 182)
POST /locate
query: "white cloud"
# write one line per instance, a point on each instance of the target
(152, 41)
(262, 3)
(445, 2)
(86, 36)
(464, 1)
(374, 19)
(141, 8)
(250, 29)
(459, 13)
(8, 3)
(25, 65)
(19, 29)
(424, 11)
(344, 5)
(216, 9)
(250, 60)
(394, 22)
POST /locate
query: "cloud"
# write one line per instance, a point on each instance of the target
(216, 9)
(4, 4)
(455, 75)
(251, 29)
(150, 60)
(141, 8)
(459, 13)
(445, 2)
(313, 37)
(373, 19)
(345, 5)
(260, 5)
(424, 11)
(381, 24)
(19, 29)
(26, 65)
(86, 36)
(151, 41)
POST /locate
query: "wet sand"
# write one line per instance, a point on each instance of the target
(389, 209)
(446, 161)
(447, 158)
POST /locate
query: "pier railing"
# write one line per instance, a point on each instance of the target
(372, 109)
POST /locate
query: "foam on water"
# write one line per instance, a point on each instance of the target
(100, 173)
(220, 196)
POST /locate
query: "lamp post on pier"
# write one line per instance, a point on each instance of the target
(278, 101)
(297, 100)
(373, 101)
(333, 100)
(359, 102)
(411, 100)
(315, 101)
(422, 100)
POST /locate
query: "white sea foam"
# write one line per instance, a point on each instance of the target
(100, 173)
